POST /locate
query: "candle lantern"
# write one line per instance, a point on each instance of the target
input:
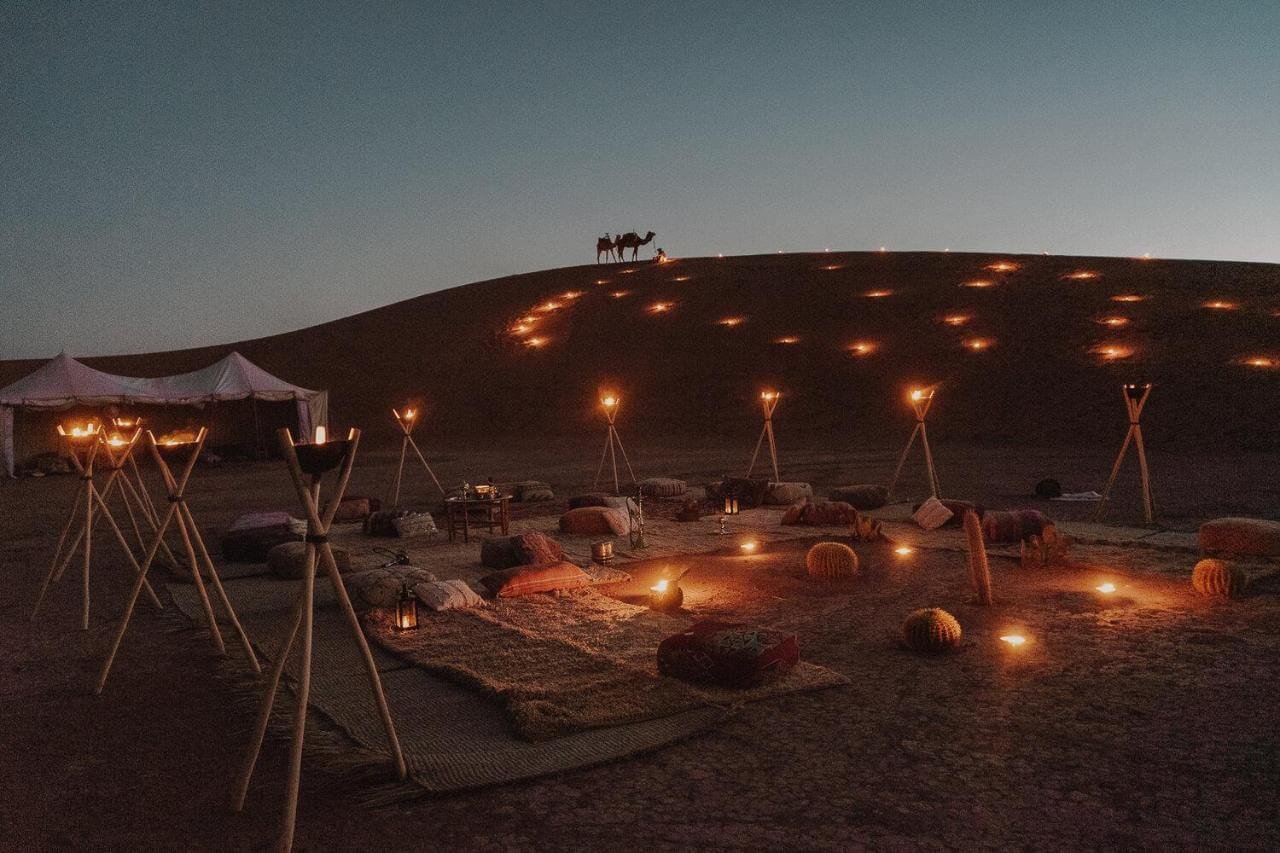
(610, 403)
(768, 403)
(666, 595)
(920, 399)
(406, 420)
(602, 552)
(406, 610)
(731, 505)
(1135, 400)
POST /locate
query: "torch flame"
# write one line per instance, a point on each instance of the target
(1014, 640)
(660, 586)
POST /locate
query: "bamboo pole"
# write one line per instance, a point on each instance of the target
(768, 403)
(407, 422)
(1134, 403)
(921, 400)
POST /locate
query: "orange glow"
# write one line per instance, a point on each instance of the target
(787, 339)
(1129, 297)
(521, 328)
(89, 430)
(731, 321)
(1002, 266)
(979, 344)
(1112, 351)
(1114, 322)
(978, 283)
(571, 294)
(749, 547)
(117, 440)
(609, 401)
(127, 423)
(1146, 256)
(832, 267)
(1262, 362)
(877, 294)
(1014, 640)
(661, 307)
(619, 294)
(321, 435)
(602, 281)
(548, 306)
(861, 348)
(904, 550)
(1220, 305)
(768, 396)
(660, 586)
(1081, 275)
(535, 343)
(1106, 588)
(957, 319)
(627, 272)
(918, 394)
(682, 278)
(409, 414)
(529, 318)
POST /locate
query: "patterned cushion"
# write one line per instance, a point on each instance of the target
(663, 487)
(414, 524)
(781, 494)
(527, 580)
(531, 491)
(1247, 537)
(958, 509)
(253, 534)
(524, 549)
(932, 514)
(595, 521)
(447, 595)
(353, 508)
(379, 588)
(727, 654)
(289, 560)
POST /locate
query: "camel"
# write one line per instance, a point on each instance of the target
(631, 240)
(605, 245)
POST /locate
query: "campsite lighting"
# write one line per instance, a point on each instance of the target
(610, 402)
(602, 281)
(768, 402)
(730, 322)
(535, 343)
(1013, 640)
(832, 267)
(521, 329)
(904, 550)
(1106, 588)
(787, 339)
(80, 434)
(1112, 351)
(322, 453)
(978, 344)
(883, 249)
(661, 307)
(1220, 305)
(321, 434)
(1081, 275)
(406, 421)
(730, 505)
(619, 294)
(1261, 362)
(1002, 266)
(666, 595)
(863, 348)
(1135, 400)
(548, 306)
(977, 283)
(957, 320)
(749, 547)
(682, 278)
(406, 610)
(1129, 297)
(1113, 321)
(627, 272)
(126, 423)
(920, 400)
(877, 294)
(571, 294)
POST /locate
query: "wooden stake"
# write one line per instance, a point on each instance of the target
(612, 446)
(318, 550)
(407, 422)
(920, 403)
(768, 402)
(1134, 406)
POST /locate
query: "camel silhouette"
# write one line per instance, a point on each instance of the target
(604, 245)
(631, 240)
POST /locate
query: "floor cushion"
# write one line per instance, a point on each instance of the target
(932, 514)
(958, 509)
(727, 654)
(353, 508)
(750, 493)
(289, 560)
(1016, 525)
(782, 494)
(595, 521)
(523, 549)
(531, 491)
(252, 535)
(527, 580)
(381, 588)
(861, 497)
(412, 524)
(663, 487)
(589, 499)
(1249, 537)
(447, 595)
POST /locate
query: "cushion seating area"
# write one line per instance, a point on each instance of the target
(356, 508)
(727, 654)
(861, 497)
(447, 595)
(783, 494)
(289, 560)
(399, 522)
(524, 549)
(252, 535)
(528, 580)
(1247, 537)
(595, 521)
(1017, 525)
(663, 487)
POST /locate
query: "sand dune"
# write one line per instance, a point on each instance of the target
(690, 343)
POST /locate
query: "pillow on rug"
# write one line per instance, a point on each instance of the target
(524, 549)
(958, 509)
(781, 494)
(821, 514)
(663, 487)
(353, 508)
(253, 534)
(727, 654)
(595, 521)
(380, 588)
(932, 514)
(289, 560)
(412, 524)
(862, 497)
(527, 580)
(1246, 537)
(531, 491)
(589, 499)
(447, 595)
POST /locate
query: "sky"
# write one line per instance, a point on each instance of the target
(183, 174)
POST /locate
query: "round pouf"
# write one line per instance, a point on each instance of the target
(930, 631)
(663, 487)
(1219, 579)
(831, 561)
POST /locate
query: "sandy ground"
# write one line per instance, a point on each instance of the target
(1146, 720)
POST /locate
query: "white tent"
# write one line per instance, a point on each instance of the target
(63, 382)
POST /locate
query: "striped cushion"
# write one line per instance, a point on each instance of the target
(527, 580)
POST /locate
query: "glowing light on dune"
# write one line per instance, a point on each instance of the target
(730, 322)
(877, 294)
(626, 272)
(1261, 362)
(1114, 321)
(1220, 305)
(957, 319)
(535, 343)
(977, 283)
(904, 550)
(1081, 275)
(619, 294)
(571, 294)
(832, 267)
(1112, 351)
(682, 278)
(521, 329)
(863, 348)
(602, 281)
(1014, 640)
(1146, 256)
(1002, 266)
(549, 306)
(1106, 588)
(883, 249)
(749, 547)
(978, 344)
(661, 307)
(787, 339)
(1129, 297)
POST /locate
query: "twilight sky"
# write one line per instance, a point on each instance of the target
(182, 174)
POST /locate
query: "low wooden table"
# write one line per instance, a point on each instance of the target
(482, 512)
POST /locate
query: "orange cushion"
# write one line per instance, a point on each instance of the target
(526, 580)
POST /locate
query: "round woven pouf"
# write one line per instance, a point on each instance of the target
(1219, 579)
(930, 631)
(830, 561)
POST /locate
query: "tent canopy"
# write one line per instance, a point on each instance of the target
(63, 382)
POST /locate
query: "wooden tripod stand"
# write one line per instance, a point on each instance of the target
(920, 399)
(611, 405)
(307, 465)
(768, 402)
(407, 422)
(90, 444)
(138, 490)
(193, 542)
(1135, 400)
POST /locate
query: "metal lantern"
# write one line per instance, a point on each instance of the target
(406, 610)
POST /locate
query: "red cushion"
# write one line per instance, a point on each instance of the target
(526, 580)
(727, 654)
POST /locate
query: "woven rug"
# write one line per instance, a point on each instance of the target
(563, 664)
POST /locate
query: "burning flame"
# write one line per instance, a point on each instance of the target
(535, 343)
(877, 294)
(1128, 297)
(978, 344)
(660, 587)
(117, 440)
(602, 281)
(1262, 362)
(177, 437)
(787, 339)
(682, 278)
(768, 396)
(1114, 322)
(609, 401)
(322, 434)
(1081, 275)
(832, 267)
(918, 394)
(904, 550)
(571, 294)
(548, 306)
(1014, 640)
(978, 283)
(1112, 352)
(1106, 588)
(957, 319)
(1002, 266)
(749, 547)
(89, 430)
(618, 294)
(660, 307)
(731, 321)
(1220, 305)
(862, 348)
